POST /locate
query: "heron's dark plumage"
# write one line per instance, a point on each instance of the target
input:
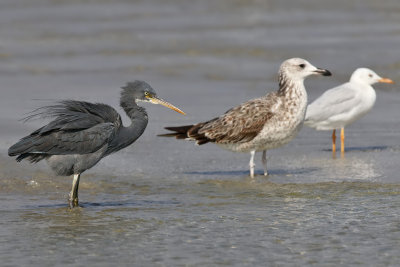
(80, 133)
(83, 132)
(77, 127)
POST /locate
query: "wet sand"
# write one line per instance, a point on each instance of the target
(164, 202)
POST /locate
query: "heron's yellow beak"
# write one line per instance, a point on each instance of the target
(385, 80)
(156, 100)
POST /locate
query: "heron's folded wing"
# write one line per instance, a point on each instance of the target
(75, 115)
(77, 128)
(73, 142)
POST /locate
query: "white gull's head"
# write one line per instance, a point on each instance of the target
(367, 76)
(297, 69)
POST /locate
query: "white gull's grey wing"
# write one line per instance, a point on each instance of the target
(335, 104)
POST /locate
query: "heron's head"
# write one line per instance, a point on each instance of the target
(367, 76)
(299, 69)
(140, 91)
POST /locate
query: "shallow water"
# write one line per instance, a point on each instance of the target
(162, 202)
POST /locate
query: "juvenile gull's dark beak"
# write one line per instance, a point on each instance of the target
(156, 100)
(323, 72)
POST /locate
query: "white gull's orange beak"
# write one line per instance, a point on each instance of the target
(385, 80)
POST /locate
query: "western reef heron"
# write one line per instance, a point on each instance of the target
(80, 133)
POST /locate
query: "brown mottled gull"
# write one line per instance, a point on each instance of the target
(262, 123)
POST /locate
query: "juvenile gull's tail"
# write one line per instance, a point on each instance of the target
(188, 132)
(180, 132)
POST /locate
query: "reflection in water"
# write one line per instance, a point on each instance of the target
(347, 168)
(280, 172)
(364, 148)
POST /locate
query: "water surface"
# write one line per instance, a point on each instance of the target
(162, 202)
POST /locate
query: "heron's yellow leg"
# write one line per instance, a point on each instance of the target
(73, 196)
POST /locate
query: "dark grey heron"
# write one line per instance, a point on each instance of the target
(82, 133)
(262, 123)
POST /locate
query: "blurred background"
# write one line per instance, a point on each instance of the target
(168, 203)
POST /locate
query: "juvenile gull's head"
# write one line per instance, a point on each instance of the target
(297, 69)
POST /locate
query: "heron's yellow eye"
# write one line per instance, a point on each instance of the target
(146, 94)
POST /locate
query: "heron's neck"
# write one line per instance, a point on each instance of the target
(127, 135)
(139, 119)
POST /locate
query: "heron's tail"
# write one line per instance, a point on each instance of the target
(23, 149)
(22, 146)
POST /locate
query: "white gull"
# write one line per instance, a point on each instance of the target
(344, 104)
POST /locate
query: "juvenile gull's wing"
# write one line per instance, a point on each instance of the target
(240, 124)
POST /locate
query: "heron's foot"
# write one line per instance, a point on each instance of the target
(73, 202)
